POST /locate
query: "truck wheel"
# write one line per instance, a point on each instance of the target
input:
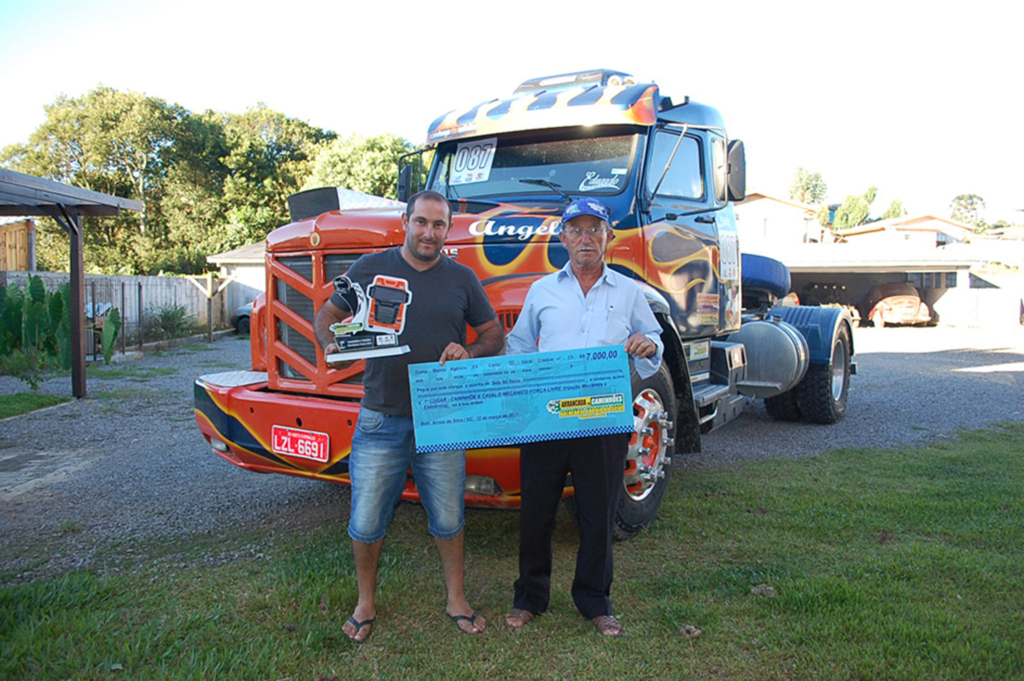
(648, 461)
(243, 326)
(823, 392)
(783, 407)
(649, 458)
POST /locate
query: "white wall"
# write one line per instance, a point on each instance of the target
(250, 281)
(769, 222)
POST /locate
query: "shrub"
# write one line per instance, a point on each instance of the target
(168, 322)
(35, 330)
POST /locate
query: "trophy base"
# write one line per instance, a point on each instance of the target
(353, 355)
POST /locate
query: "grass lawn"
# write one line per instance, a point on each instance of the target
(22, 403)
(858, 564)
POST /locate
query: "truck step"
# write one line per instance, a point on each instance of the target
(709, 394)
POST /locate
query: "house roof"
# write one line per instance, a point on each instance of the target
(752, 197)
(916, 223)
(856, 257)
(250, 254)
(1014, 232)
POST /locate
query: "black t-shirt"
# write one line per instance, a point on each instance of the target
(444, 300)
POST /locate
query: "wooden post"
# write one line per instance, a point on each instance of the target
(142, 341)
(124, 317)
(209, 308)
(210, 291)
(77, 282)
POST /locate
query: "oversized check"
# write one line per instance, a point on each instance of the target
(510, 400)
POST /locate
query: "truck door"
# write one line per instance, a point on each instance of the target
(682, 235)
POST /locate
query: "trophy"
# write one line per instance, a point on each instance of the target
(378, 317)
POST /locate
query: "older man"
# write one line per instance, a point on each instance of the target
(585, 304)
(446, 297)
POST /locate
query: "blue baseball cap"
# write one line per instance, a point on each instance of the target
(586, 206)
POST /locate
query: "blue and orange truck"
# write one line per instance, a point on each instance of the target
(669, 173)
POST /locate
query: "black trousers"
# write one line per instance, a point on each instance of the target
(596, 465)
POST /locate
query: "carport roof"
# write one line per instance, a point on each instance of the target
(857, 258)
(27, 195)
(22, 194)
(250, 254)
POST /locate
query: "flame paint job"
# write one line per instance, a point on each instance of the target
(584, 105)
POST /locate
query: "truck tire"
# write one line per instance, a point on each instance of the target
(784, 407)
(823, 392)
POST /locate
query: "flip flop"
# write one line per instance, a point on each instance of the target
(464, 618)
(359, 625)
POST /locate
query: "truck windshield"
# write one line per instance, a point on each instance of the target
(576, 162)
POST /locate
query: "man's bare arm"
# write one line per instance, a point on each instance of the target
(325, 316)
(490, 339)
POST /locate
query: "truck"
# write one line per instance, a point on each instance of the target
(668, 172)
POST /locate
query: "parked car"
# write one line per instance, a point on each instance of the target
(240, 318)
(895, 304)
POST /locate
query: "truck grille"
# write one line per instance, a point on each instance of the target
(300, 284)
(303, 305)
(507, 318)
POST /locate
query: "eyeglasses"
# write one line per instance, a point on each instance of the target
(577, 231)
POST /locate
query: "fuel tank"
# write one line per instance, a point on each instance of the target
(777, 357)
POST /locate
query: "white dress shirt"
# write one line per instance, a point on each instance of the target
(557, 316)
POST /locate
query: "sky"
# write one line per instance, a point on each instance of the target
(921, 100)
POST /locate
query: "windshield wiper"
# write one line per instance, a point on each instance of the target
(550, 185)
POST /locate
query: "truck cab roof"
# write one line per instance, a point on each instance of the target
(601, 97)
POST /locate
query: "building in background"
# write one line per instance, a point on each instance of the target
(17, 244)
(247, 266)
(928, 231)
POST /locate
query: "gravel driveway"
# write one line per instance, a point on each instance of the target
(95, 477)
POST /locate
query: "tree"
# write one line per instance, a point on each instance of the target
(192, 199)
(966, 208)
(209, 182)
(824, 215)
(807, 187)
(895, 210)
(270, 157)
(108, 141)
(854, 211)
(365, 164)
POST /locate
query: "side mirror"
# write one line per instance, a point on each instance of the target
(737, 171)
(404, 182)
(721, 170)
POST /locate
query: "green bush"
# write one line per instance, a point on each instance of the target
(168, 322)
(35, 330)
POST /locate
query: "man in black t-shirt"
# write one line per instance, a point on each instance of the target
(445, 297)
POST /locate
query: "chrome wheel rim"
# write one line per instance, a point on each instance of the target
(648, 446)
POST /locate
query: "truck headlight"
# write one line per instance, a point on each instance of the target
(481, 484)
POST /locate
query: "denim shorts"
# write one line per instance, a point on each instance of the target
(383, 449)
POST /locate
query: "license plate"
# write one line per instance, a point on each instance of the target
(306, 444)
